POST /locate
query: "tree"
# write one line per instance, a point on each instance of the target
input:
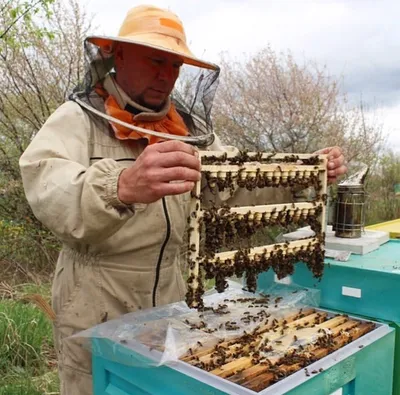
(270, 102)
(36, 77)
(383, 205)
(14, 11)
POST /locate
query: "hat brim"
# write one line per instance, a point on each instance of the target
(143, 40)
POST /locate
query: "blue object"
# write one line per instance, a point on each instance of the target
(373, 279)
(364, 367)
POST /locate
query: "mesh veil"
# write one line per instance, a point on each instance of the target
(193, 94)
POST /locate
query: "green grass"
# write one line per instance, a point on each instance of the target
(43, 289)
(26, 347)
(21, 384)
(24, 387)
(24, 333)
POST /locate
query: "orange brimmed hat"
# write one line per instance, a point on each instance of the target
(155, 28)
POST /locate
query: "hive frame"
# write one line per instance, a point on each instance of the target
(279, 168)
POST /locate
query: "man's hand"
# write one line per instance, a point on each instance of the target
(336, 166)
(167, 168)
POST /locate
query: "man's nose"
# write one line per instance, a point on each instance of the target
(166, 72)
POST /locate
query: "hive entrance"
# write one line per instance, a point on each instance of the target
(224, 173)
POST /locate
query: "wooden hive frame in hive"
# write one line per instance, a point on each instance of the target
(257, 170)
(308, 335)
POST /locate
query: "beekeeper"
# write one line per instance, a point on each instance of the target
(108, 192)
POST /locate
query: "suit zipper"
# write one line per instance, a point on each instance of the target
(160, 257)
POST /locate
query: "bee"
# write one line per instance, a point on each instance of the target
(105, 317)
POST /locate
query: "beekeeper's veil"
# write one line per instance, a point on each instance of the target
(159, 29)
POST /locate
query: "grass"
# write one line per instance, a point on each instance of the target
(21, 384)
(43, 289)
(24, 332)
(27, 359)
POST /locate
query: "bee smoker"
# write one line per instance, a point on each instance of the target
(349, 216)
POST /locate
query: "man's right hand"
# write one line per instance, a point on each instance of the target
(149, 178)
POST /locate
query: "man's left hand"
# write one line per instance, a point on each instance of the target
(336, 162)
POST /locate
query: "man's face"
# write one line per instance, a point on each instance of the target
(146, 75)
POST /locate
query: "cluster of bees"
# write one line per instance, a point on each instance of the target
(277, 346)
(259, 157)
(258, 179)
(279, 261)
(248, 345)
(222, 227)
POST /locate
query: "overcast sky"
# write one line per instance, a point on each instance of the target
(356, 39)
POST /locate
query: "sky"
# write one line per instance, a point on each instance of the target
(357, 40)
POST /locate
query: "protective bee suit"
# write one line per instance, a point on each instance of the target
(115, 258)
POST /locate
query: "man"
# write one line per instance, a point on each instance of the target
(110, 193)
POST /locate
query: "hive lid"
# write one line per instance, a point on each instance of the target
(369, 241)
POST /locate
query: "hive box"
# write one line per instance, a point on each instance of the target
(364, 367)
